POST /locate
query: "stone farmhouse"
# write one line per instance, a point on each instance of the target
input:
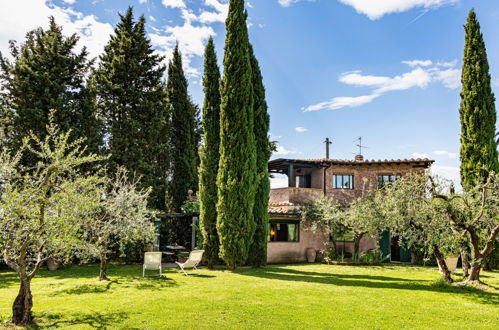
(310, 179)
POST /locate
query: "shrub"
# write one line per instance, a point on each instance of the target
(492, 260)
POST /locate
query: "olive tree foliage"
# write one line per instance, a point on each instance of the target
(411, 212)
(122, 218)
(473, 215)
(325, 214)
(43, 208)
(362, 217)
(426, 212)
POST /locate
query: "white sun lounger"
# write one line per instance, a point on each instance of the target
(193, 261)
(152, 261)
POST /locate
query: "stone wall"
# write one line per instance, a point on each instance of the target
(294, 196)
(292, 252)
(369, 172)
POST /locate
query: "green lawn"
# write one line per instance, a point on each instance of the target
(276, 297)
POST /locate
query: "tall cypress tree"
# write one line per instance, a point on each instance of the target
(477, 111)
(47, 73)
(131, 98)
(183, 142)
(210, 155)
(258, 250)
(237, 168)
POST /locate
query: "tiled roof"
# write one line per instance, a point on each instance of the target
(281, 165)
(353, 161)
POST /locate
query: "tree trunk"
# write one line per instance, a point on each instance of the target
(21, 309)
(103, 268)
(356, 244)
(446, 275)
(465, 262)
(476, 266)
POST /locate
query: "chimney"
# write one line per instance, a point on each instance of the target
(328, 143)
(359, 158)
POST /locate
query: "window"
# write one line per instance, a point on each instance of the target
(283, 231)
(343, 181)
(384, 179)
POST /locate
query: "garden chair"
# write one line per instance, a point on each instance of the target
(152, 261)
(193, 261)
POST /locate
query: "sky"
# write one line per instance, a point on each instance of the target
(386, 70)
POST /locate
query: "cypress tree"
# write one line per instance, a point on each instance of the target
(183, 142)
(237, 167)
(258, 250)
(131, 98)
(477, 112)
(47, 73)
(210, 155)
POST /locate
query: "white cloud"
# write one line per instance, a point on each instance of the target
(341, 102)
(423, 73)
(450, 78)
(287, 3)
(420, 155)
(173, 3)
(445, 153)
(190, 36)
(282, 151)
(191, 41)
(414, 63)
(93, 33)
(375, 9)
(142, 1)
(69, 2)
(249, 4)
(219, 15)
(447, 64)
(415, 78)
(301, 129)
(447, 172)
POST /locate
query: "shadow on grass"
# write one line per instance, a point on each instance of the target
(151, 283)
(94, 320)
(369, 281)
(87, 288)
(8, 279)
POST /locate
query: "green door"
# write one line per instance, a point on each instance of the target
(384, 244)
(405, 253)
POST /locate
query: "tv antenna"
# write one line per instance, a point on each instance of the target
(359, 140)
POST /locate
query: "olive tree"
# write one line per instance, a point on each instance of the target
(412, 213)
(324, 214)
(43, 208)
(122, 218)
(426, 212)
(474, 213)
(363, 218)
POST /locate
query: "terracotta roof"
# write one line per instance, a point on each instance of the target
(283, 211)
(281, 164)
(353, 161)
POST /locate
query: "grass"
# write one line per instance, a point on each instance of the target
(276, 297)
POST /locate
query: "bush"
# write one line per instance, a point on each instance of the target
(131, 252)
(492, 261)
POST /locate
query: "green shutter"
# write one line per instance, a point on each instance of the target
(157, 234)
(384, 244)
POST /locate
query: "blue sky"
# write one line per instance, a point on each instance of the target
(386, 70)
